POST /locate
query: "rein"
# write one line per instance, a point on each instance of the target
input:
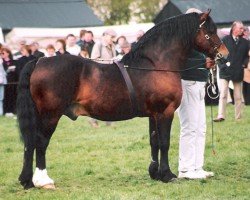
(164, 70)
(148, 69)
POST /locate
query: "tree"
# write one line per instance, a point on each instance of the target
(123, 11)
(145, 11)
(112, 11)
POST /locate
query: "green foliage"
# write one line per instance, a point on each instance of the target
(147, 10)
(112, 162)
(112, 11)
(120, 12)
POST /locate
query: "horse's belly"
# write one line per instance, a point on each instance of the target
(113, 111)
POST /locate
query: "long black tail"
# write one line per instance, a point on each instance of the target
(26, 110)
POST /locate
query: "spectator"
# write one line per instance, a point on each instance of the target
(238, 55)
(139, 34)
(125, 48)
(10, 92)
(61, 47)
(120, 40)
(71, 45)
(18, 54)
(87, 41)
(80, 42)
(84, 52)
(26, 57)
(246, 33)
(246, 82)
(34, 46)
(50, 49)
(104, 50)
(2, 83)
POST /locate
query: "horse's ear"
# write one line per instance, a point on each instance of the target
(205, 15)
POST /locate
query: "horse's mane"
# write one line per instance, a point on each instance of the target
(184, 27)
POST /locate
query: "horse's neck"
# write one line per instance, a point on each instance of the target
(173, 57)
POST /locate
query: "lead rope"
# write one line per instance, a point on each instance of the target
(212, 129)
(214, 96)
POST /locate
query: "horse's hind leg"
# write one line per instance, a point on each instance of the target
(164, 128)
(40, 177)
(25, 177)
(154, 143)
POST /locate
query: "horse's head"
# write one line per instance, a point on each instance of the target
(207, 40)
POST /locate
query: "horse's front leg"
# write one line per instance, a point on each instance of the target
(40, 177)
(154, 143)
(164, 129)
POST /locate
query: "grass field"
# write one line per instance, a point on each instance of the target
(112, 162)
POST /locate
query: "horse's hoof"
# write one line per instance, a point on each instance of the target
(153, 170)
(169, 177)
(49, 187)
(27, 184)
(173, 179)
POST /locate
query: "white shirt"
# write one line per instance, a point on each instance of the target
(74, 50)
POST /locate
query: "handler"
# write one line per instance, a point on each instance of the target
(193, 117)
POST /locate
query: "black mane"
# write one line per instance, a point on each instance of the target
(183, 27)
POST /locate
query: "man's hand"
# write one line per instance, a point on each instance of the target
(210, 63)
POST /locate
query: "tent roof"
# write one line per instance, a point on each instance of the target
(46, 14)
(224, 12)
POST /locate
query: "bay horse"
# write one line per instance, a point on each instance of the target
(73, 86)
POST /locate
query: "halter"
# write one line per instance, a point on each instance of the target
(213, 44)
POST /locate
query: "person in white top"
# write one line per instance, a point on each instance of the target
(3, 81)
(71, 45)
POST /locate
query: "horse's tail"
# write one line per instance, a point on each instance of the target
(26, 110)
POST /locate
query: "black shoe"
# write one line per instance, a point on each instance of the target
(219, 119)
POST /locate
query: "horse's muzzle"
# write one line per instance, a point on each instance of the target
(222, 60)
(222, 51)
(222, 54)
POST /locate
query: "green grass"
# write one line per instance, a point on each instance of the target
(112, 162)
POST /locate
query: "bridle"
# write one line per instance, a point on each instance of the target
(215, 46)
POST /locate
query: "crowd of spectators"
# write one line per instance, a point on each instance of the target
(11, 63)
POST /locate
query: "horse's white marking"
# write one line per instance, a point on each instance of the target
(41, 178)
